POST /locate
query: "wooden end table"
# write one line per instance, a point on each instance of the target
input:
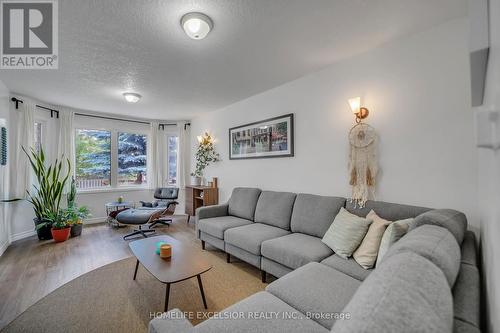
(184, 264)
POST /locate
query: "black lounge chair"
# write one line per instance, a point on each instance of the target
(153, 213)
(167, 197)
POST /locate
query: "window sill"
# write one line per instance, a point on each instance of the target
(114, 189)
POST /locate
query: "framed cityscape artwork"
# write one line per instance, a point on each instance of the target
(266, 138)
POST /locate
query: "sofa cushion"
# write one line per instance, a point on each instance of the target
(366, 253)
(261, 312)
(453, 220)
(275, 208)
(249, 237)
(346, 233)
(349, 267)
(397, 297)
(394, 232)
(469, 249)
(327, 293)
(216, 226)
(433, 243)
(295, 250)
(243, 201)
(466, 295)
(313, 214)
(386, 210)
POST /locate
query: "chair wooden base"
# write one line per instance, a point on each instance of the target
(162, 221)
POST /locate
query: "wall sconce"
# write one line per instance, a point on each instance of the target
(360, 112)
(205, 139)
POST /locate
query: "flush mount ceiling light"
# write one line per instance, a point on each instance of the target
(132, 97)
(196, 25)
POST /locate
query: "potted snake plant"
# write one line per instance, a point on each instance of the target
(46, 195)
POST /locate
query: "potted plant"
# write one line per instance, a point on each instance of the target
(47, 193)
(75, 215)
(60, 228)
(205, 154)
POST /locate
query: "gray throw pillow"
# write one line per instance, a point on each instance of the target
(392, 234)
(346, 233)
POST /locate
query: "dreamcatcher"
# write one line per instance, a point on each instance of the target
(363, 166)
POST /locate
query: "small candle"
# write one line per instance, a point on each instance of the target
(165, 251)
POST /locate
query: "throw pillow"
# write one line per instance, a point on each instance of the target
(366, 254)
(392, 234)
(346, 233)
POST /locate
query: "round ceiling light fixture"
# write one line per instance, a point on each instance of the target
(132, 97)
(196, 25)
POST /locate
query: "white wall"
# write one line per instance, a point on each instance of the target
(489, 183)
(4, 171)
(418, 93)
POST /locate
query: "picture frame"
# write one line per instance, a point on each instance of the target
(268, 138)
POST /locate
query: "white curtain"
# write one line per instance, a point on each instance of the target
(158, 158)
(161, 158)
(25, 138)
(66, 144)
(182, 158)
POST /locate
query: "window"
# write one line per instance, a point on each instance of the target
(132, 159)
(93, 158)
(172, 147)
(38, 136)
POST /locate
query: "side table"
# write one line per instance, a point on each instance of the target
(114, 206)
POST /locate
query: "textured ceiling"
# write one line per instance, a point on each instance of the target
(108, 47)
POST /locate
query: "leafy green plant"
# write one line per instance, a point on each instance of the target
(205, 154)
(47, 194)
(75, 215)
(58, 220)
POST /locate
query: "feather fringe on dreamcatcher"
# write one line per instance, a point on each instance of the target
(363, 166)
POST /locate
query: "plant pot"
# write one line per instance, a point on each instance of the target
(60, 235)
(76, 230)
(195, 180)
(44, 232)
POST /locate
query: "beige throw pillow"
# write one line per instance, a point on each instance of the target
(346, 233)
(366, 254)
(392, 234)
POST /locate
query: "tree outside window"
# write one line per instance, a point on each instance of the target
(132, 159)
(93, 158)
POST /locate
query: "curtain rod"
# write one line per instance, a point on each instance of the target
(111, 118)
(52, 111)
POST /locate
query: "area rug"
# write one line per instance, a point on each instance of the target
(109, 300)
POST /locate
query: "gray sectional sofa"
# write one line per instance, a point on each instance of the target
(427, 282)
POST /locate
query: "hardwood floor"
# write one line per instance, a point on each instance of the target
(30, 269)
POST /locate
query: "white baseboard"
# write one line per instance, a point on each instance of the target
(30, 233)
(21, 235)
(4, 247)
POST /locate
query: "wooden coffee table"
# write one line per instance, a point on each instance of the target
(184, 264)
